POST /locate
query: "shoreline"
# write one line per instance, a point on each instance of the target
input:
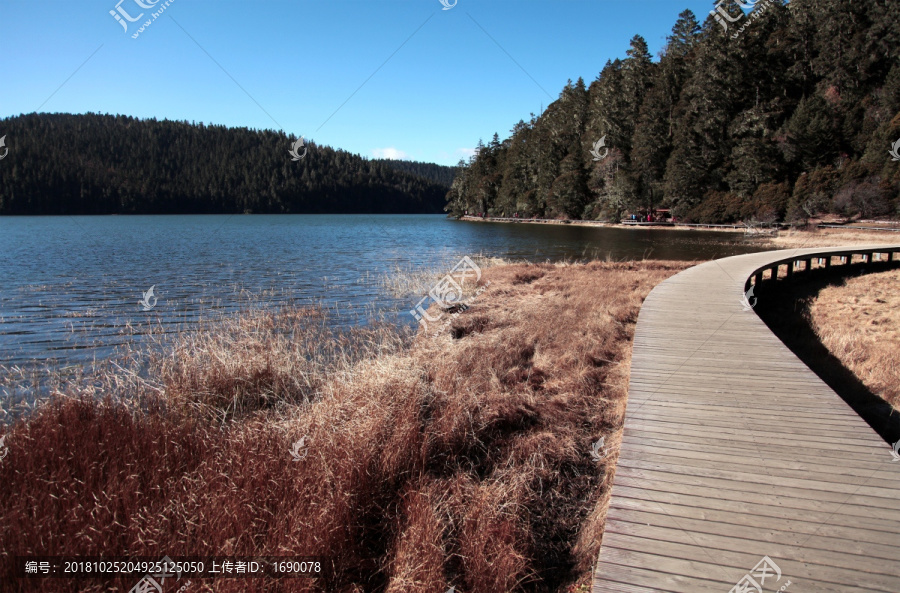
(890, 226)
(824, 234)
(615, 225)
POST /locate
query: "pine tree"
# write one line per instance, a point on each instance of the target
(654, 134)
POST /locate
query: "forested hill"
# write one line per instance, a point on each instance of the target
(791, 112)
(440, 174)
(103, 164)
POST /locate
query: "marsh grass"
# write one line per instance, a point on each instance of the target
(790, 239)
(461, 459)
(408, 281)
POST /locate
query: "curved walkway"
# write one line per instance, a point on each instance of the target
(739, 469)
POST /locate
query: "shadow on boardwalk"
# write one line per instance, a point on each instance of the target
(785, 309)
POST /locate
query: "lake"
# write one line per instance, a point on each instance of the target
(70, 285)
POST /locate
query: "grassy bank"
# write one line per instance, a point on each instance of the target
(457, 459)
(859, 322)
(797, 239)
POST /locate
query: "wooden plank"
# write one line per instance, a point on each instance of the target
(796, 549)
(776, 448)
(838, 494)
(871, 484)
(789, 509)
(808, 524)
(809, 427)
(823, 578)
(793, 500)
(786, 408)
(859, 445)
(747, 460)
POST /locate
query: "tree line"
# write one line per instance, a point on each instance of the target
(440, 174)
(783, 113)
(105, 164)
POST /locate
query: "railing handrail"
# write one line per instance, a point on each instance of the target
(826, 253)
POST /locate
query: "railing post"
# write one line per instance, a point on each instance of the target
(807, 263)
(790, 268)
(827, 262)
(757, 280)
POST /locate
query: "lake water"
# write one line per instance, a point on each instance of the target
(70, 286)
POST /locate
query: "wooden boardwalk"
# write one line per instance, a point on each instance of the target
(733, 450)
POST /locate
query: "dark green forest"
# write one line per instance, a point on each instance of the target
(440, 174)
(788, 114)
(104, 164)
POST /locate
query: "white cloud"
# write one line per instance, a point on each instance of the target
(465, 152)
(390, 153)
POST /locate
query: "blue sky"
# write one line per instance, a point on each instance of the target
(386, 77)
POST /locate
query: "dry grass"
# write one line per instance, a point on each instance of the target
(410, 280)
(797, 239)
(461, 459)
(260, 360)
(859, 323)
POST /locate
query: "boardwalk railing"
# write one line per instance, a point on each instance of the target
(793, 264)
(740, 470)
(890, 229)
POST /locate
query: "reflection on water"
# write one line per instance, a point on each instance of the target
(70, 286)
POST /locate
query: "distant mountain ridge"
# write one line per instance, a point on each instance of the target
(116, 164)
